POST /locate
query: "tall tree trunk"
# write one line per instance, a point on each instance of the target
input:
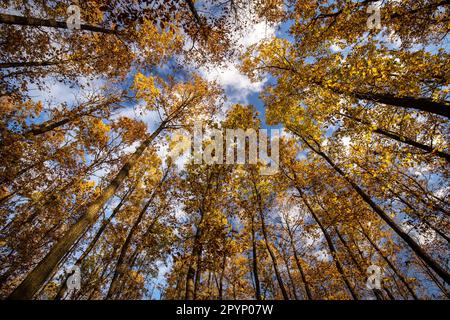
(196, 252)
(288, 269)
(421, 104)
(418, 103)
(198, 275)
(38, 22)
(330, 244)
(177, 287)
(149, 231)
(91, 245)
(361, 256)
(121, 262)
(40, 273)
(407, 102)
(77, 113)
(46, 127)
(255, 262)
(388, 261)
(222, 274)
(383, 215)
(194, 12)
(436, 281)
(376, 292)
(273, 258)
(421, 216)
(266, 241)
(26, 64)
(400, 138)
(299, 266)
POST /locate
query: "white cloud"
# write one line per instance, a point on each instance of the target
(346, 143)
(394, 40)
(237, 85)
(335, 48)
(138, 112)
(99, 174)
(421, 235)
(255, 34)
(180, 214)
(323, 255)
(57, 92)
(443, 192)
(131, 148)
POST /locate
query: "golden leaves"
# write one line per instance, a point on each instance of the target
(157, 45)
(99, 132)
(146, 89)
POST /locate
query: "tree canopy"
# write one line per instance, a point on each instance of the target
(101, 170)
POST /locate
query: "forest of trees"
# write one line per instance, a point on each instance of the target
(363, 168)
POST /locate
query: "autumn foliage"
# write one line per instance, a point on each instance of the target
(89, 180)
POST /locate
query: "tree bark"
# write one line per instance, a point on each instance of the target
(121, 263)
(383, 215)
(407, 102)
(361, 255)
(376, 292)
(40, 273)
(421, 104)
(5, 65)
(330, 244)
(402, 139)
(194, 12)
(269, 249)
(255, 262)
(38, 22)
(196, 252)
(388, 261)
(273, 258)
(198, 275)
(433, 277)
(288, 269)
(299, 266)
(91, 245)
(222, 274)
